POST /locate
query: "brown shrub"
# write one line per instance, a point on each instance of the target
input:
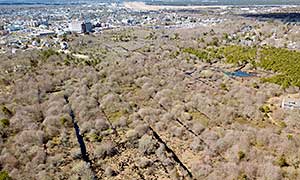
(147, 145)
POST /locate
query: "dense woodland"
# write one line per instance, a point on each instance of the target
(282, 61)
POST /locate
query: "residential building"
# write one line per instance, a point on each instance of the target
(88, 27)
(64, 46)
(289, 103)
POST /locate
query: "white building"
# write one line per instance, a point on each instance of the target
(35, 43)
(80, 27)
(45, 33)
(64, 46)
(288, 103)
(75, 26)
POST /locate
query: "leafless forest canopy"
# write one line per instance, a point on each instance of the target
(145, 109)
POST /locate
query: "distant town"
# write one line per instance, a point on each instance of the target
(28, 27)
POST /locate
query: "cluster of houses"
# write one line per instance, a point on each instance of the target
(39, 35)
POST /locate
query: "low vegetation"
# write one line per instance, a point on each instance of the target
(4, 175)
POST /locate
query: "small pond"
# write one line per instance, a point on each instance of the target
(238, 74)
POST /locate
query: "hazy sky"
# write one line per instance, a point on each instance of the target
(211, 1)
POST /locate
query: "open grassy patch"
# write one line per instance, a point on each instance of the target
(198, 116)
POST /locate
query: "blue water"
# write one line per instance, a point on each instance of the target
(238, 74)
